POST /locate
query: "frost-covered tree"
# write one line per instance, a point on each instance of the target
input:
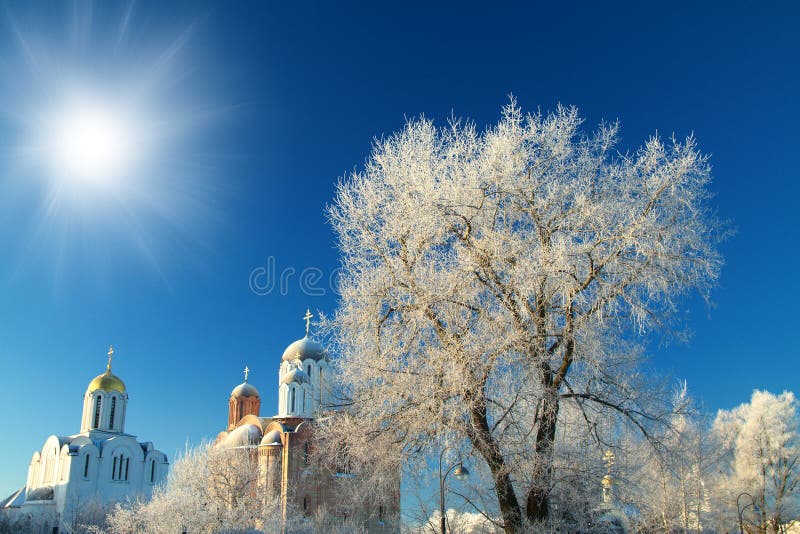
(359, 490)
(672, 486)
(763, 445)
(208, 490)
(488, 279)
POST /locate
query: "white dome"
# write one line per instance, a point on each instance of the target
(244, 390)
(243, 435)
(272, 438)
(295, 375)
(302, 349)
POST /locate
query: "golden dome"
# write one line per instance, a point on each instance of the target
(107, 382)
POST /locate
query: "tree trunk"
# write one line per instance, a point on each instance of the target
(481, 438)
(538, 503)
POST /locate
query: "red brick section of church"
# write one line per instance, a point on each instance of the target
(241, 407)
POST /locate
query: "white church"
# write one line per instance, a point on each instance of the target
(100, 465)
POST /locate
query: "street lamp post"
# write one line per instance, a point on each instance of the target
(740, 510)
(460, 472)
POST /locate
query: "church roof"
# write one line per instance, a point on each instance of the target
(15, 499)
(303, 349)
(244, 390)
(272, 438)
(295, 375)
(243, 435)
(107, 382)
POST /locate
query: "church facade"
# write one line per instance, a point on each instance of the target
(99, 465)
(284, 441)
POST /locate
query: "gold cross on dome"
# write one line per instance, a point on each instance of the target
(246, 372)
(308, 317)
(110, 356)
(609, 458)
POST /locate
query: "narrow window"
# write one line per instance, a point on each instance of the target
(305, 504)
(291, 399)
(114, 470)
(309, 370)
(321, 385)
(152, 471)
(304, 400)
(380, 514)
(113, 409)
(97, 412)
(127, 460)
(241, 408)
(86, 467)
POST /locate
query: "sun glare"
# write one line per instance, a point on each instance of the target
(91, 143)
(103, 120)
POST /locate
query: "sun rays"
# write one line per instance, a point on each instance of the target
(93, 125)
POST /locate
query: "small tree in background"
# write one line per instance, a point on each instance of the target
(763, 459)
(208, 490)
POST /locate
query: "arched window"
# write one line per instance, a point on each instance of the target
(97, 412)
(305, 504)
(152, 471)
(119, 470)
(380, 514)
(240, 402)
(308, 370)
(291, 399)
(86, 467)
(113, 409)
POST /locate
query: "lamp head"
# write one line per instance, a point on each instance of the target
(461, 472)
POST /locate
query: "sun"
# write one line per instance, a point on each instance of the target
(104, 131)
(91, 142)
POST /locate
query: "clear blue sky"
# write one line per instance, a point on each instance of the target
(260, 107)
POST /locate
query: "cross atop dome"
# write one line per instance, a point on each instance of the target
(107, 381)
(307, 318)
(246, 372)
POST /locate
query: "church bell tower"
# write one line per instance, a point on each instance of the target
(105, 402)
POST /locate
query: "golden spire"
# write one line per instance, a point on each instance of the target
(308, 317)
(110, 356)
(608, 481)
(246, 372)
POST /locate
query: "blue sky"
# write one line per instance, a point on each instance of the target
(260, 107)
